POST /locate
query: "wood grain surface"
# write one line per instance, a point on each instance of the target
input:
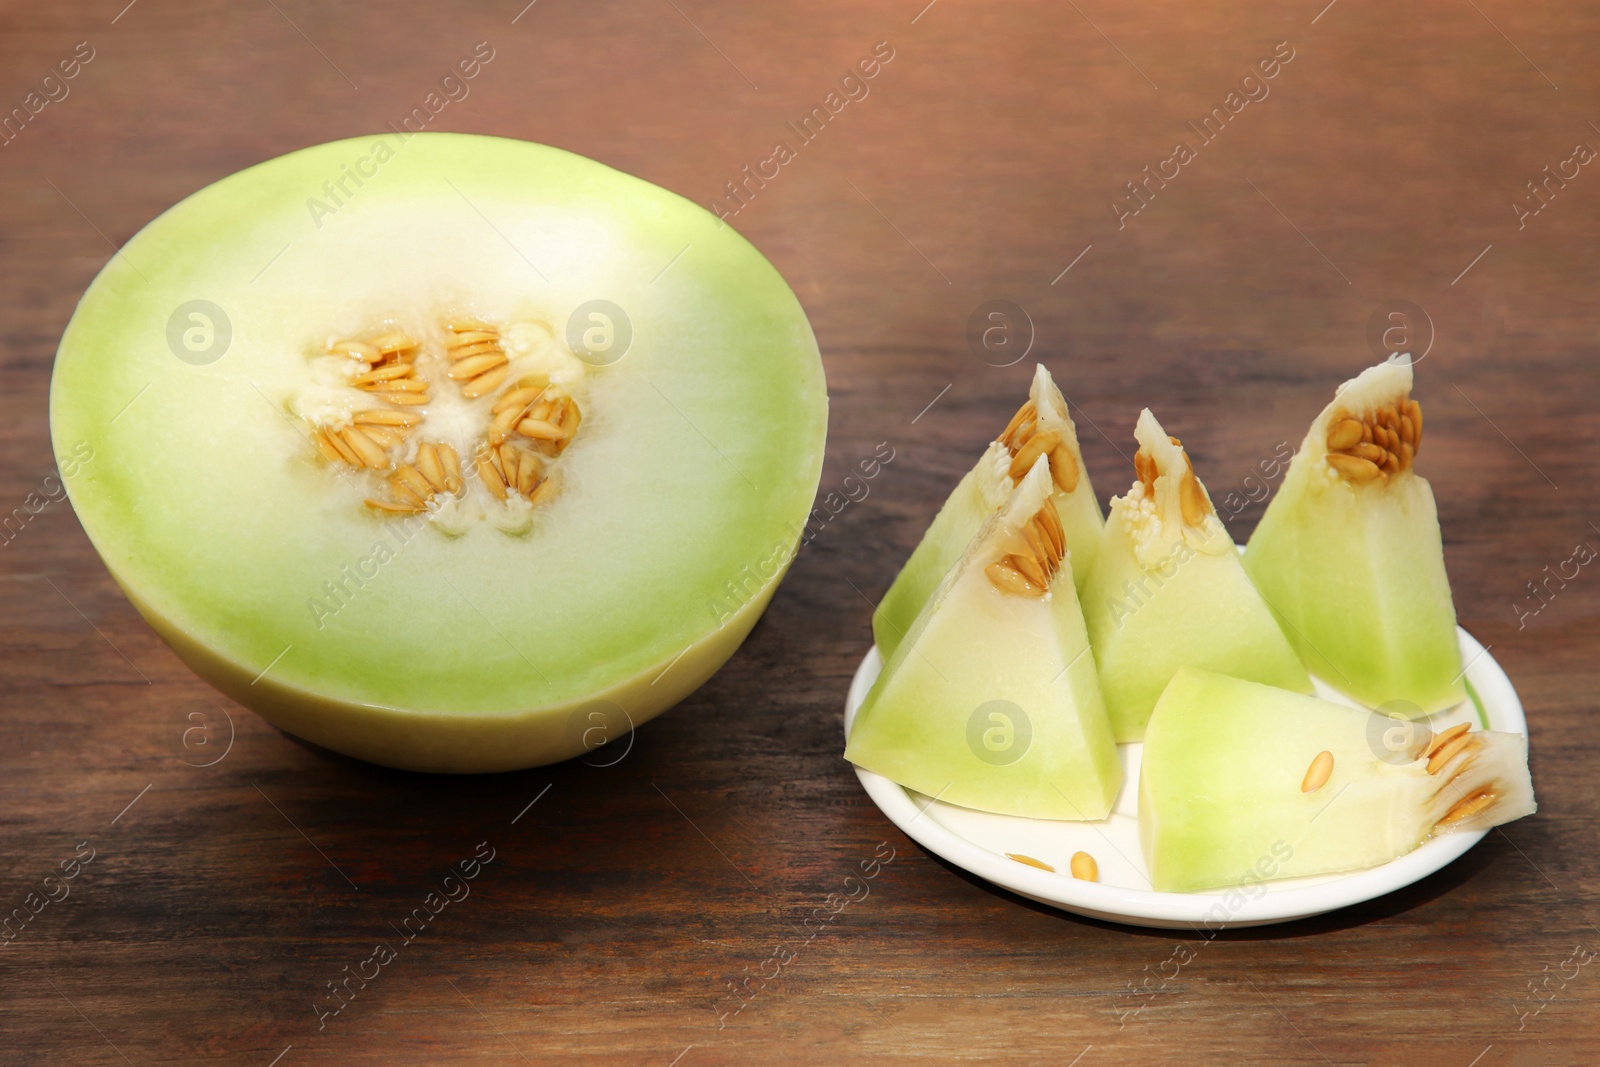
(1382, 164)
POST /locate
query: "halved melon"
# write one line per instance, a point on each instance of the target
(392, 472)
(1041, 427)
(1349, 552)
(1168, 591)
(1241, 782)
(991, 701)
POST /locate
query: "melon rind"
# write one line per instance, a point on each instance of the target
(972, 645)
(1220, 797)
(1356, 572)
(683, 496)
(977, 496)
(982, 490)
(1164, 596)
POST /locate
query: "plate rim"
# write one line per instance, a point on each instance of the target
(1151, 908)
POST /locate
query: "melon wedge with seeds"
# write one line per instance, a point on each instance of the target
(1042, 426)
(1168, 591)
(1350, 556)
(991, 702)
(395, 477)
(1241, 783)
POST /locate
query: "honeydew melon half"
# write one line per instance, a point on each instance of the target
(991, 702)
(401, 486)
(1168, 591)
(1244, 782)
(1042, 426)
(1350, 556)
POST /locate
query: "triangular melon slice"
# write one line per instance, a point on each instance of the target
(1349, 553)
(991, 702)
(1242, 782)
(1168, 591)
(1041, 426)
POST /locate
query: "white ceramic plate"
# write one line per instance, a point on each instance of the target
(978, 841)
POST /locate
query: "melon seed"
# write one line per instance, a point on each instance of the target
(1084, 868)
(1354, 468)
(387, 372)
(1030, 861)
(1039, 444)
(1447, 752)
(1446, 736)
(1346, 433)
(1468, 807)
(1008, 579)
(1318, 773)
(1064, 468)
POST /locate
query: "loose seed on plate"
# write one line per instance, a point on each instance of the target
(1030, 861)
(1084, 868)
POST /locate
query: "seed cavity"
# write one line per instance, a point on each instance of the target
(1026, 444)
(1084, 868)
(1030, 861)
(1373, 447)
(1192, 500)
(1318, 773)
(529, 422)
(1030, 570)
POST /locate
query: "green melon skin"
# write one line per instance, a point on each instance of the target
(979, 493)
(977, 496)
(1160, 599)
(1220, 800)
(1356, 574)
(930, 714)
(683, 495)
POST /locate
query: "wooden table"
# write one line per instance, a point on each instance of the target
(1382, 165)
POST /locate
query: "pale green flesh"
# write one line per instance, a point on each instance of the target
(1356, 573)
(1193, 609)
(694, 468)
(974, 644)
(980, 491)
(1220, 798)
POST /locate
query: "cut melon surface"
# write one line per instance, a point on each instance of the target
(991, 702)
(442, 575)
(1350, 557)
(1042, 426)
(1168, 591)
(1242, 782)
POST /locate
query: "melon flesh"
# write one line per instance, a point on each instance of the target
(1355, 570)
(469, 639)
(1168, 591)
(1221, 798)
(985, 674)
(982, 490)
